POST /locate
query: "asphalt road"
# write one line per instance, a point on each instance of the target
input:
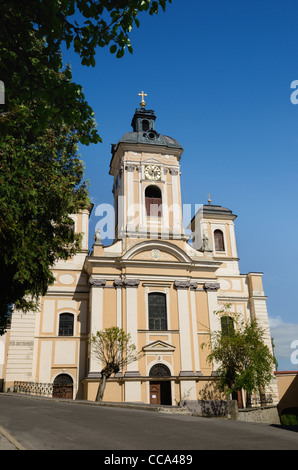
(35, 424)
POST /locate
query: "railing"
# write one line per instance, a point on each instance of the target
(33, 388)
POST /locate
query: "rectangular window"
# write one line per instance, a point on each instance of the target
(66, 324)
(157, 311)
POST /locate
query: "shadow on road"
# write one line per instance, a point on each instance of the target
(293, 427)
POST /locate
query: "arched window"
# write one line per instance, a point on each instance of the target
(63, 379)
(145, 125)
(153, 201)
(66, 321)
(157, 303)
(219, 240)
(227, 325)
(159, 370)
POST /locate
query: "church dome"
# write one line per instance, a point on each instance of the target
(144, 133)
(149, 137)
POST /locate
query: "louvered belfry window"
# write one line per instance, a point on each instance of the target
(157, 311)
(153, 201)
(219, 240)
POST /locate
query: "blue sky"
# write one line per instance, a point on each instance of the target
(218, 75)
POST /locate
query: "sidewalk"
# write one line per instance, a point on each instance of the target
(7, 442)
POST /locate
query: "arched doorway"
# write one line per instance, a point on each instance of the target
(160, 390)
(63, 386)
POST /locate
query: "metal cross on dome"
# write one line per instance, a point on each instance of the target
(142, 103)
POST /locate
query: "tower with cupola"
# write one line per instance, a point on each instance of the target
(146, 170)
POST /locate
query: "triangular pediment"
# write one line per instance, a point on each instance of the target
(159, 346)
(151, 160)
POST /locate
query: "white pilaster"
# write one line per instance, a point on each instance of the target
(96, 320)
(165, 208)
(258, 309)
(214, 320)
(118, 286)
(132, 388)
(233, 240)
(194, 327)
(176, 208)
(121, 203)
(130, 198)
(187, 387)
(141, 200)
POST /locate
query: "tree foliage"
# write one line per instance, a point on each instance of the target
(41, 185)
(114, 350)
(44, 118)
(244, 360)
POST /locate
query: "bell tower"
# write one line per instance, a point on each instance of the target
(146, 169)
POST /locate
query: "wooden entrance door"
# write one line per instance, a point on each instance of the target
(155, 393)
(160, 393)
(239, 399)
(62, 391)
(63, 386)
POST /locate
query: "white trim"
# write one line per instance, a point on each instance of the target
(194, 330)
(177, 219)
(132, 320)
(96, 322)
(184, 330)
(233, 240)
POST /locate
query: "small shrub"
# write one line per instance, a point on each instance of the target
(289, 420)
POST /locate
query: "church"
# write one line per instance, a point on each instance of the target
(157, 283)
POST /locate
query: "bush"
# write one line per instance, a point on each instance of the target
(289, 420)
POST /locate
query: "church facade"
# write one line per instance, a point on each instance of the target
(151, 282)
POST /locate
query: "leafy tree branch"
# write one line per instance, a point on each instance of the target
(244, 360)
(114, 350)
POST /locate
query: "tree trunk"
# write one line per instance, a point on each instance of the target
(101, 387)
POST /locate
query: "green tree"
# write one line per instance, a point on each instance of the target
(44, 118)
(41, 185)
(84, 25)
(114, 350)
(244, 360)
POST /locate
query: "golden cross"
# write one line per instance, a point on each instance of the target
(209, 200)
(142, 94)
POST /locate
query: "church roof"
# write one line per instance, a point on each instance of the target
(212, 209)
(150, 137)
(144, 133)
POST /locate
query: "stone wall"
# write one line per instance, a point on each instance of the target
(206, 407)
(229, 409)
(262, 414)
